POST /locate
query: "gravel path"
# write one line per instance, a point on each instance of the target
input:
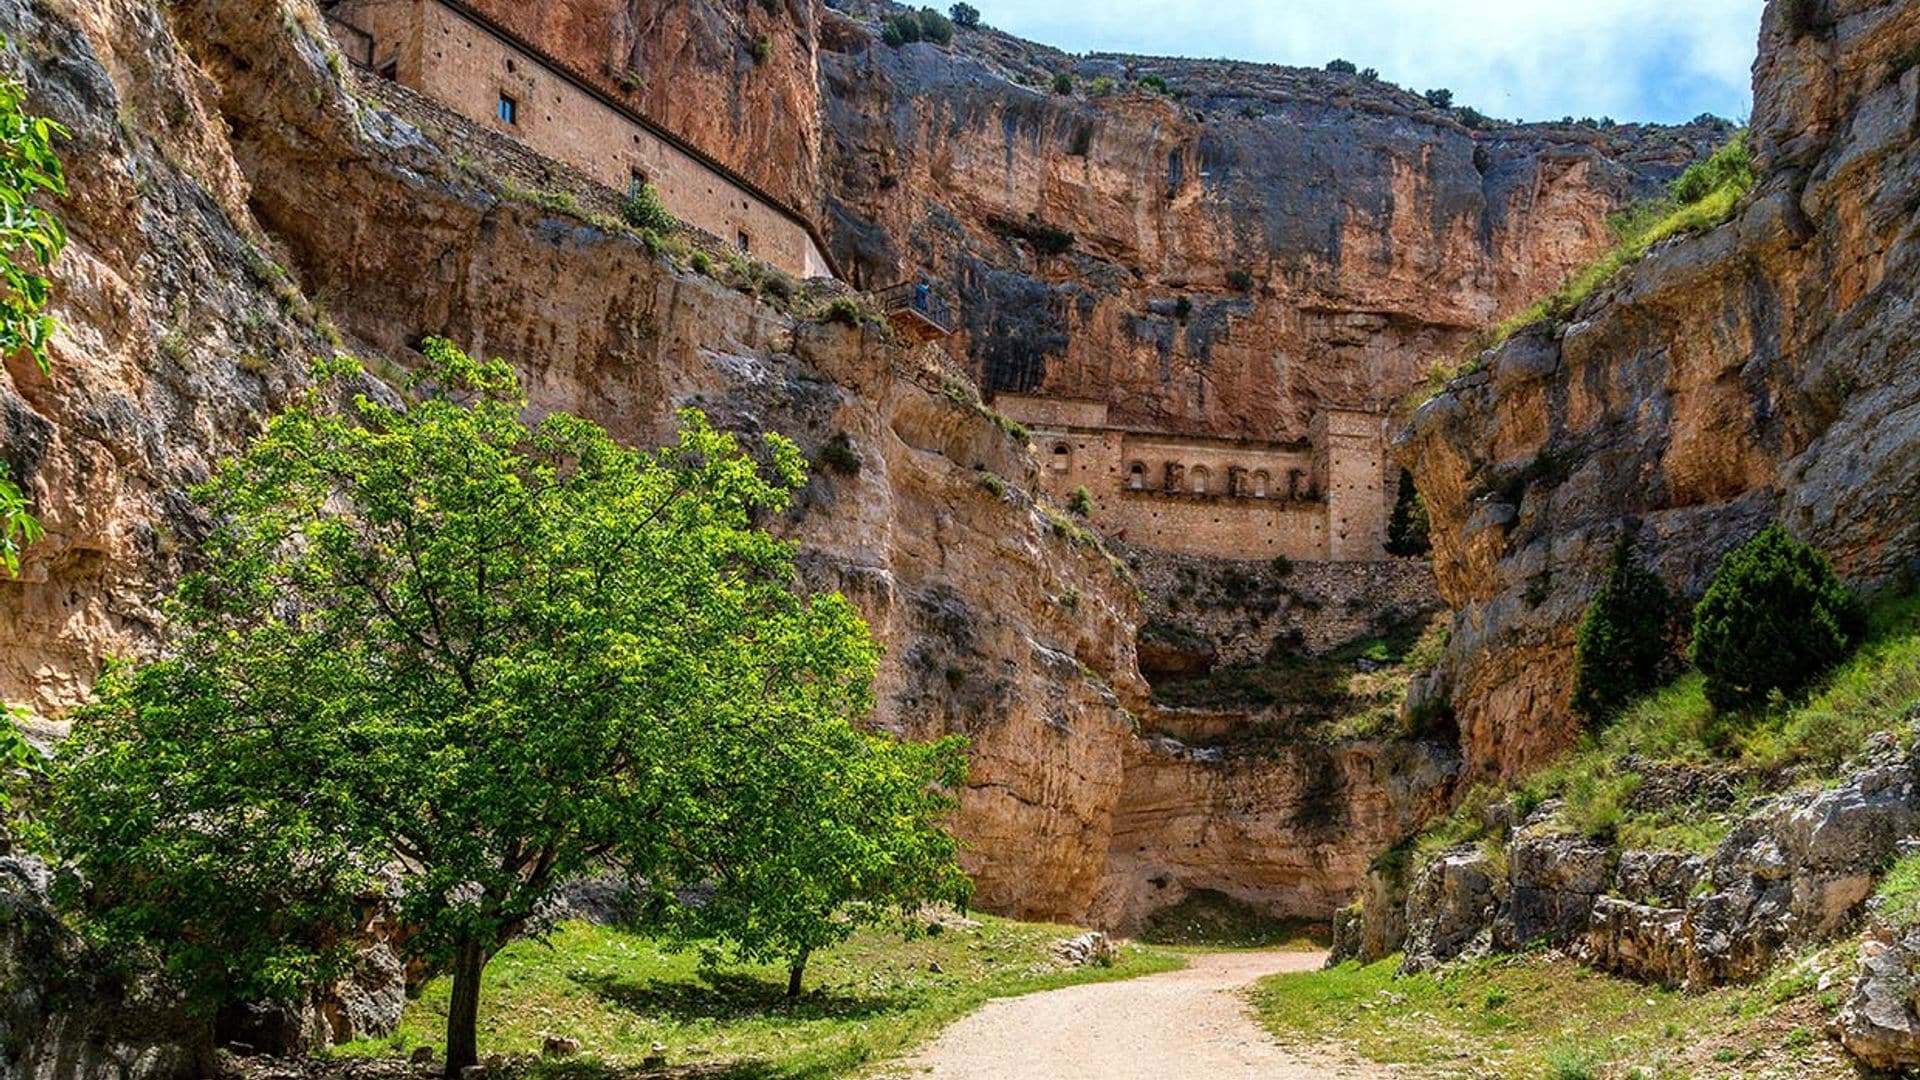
(1191, 1023)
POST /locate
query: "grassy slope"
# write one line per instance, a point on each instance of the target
(1808, 740)
(871, 998)
(1544, 1016)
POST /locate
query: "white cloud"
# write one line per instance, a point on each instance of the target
(1631, 59)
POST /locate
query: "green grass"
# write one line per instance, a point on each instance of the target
(1813, 737)
(1545, 1016)
(867, 1000)
(1899, 892)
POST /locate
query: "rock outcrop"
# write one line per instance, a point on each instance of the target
(66, 1015)
(1797, 870)
(1762, 371)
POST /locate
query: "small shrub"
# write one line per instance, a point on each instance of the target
(1153, 83)
(1081, 502)
(1574, 1061)
(647, 213)
(965, 15)
(1774, 619)
(1624, 641)
(993, 485)
(1731, 164)
(935, 27)
(701, 262)
(902, 30)
(1063, 82)
(847, 311)
(762, 50)
(1496, 997)
(1102, 86)
(1440, 98)
(1282, 566)
(1342, 67)
(839, 456)
(1240, 280)
(1473, 118)
(1370, 74)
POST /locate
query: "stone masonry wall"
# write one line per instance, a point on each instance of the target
(459, 62)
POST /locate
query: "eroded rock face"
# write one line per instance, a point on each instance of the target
(1206, 271)
(1762, 371)
(1450, 909)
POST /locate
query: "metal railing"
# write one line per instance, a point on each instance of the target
(916, 298)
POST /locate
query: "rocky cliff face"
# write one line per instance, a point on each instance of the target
(1223, 260)
(1762, 371)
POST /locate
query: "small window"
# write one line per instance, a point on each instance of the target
(508, 110)
(1137, 477)
(637, 184)
(510, 66)
(745, 242)
(1062, 457)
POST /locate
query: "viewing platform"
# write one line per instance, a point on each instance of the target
(916, 310)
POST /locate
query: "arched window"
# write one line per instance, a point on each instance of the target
(1262, 483)
(1062, 457)
(1136, 477)
(1199, 477)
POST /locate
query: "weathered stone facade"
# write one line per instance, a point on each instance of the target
(1322, 498)
(465, 60)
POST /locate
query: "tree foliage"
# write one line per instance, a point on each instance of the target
(433, 641)
(1342, 67)
(1625, 643)
(935, 27)
(646, 210)
(1774, 619)
(1407, 526)
(1441, 98)
(965, 15)
(31, 237)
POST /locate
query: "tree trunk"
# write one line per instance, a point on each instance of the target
(463, 1012)
(797, 972)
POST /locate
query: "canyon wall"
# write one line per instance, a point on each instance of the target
(1762, 371)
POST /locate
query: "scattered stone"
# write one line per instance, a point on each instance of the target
(555, 1046)
(1092, 948)
(1878, 1023)
(422, 1055)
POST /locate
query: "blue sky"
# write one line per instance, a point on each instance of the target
(1658, 60)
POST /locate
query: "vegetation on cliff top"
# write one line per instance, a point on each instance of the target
(875, 996)
(1702, 197)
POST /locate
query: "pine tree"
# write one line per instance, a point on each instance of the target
(1625, 639)
(1407, 529)
(1775, 618)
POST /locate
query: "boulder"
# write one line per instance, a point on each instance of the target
(1660, 878)
(1553, 880)
(1637, 940)
(1878, 1024)
(1450, 908)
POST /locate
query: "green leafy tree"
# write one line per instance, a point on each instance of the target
(436, 641)
(1439, 99)
(1625, 642)
(1080, 502)
(1063, 82)
(21, 767)
(965, 15)
(1407, 527)
(798, 867)
(1342, 67)
(1774, 619)
(31, 237)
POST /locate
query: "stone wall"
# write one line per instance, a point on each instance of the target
(483, 73)
(1317, 499)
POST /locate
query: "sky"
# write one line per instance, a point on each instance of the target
(1652, 60)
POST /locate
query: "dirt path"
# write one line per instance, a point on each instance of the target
(1192, 1023)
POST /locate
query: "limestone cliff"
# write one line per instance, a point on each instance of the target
(1762, 371)
(1224, 259)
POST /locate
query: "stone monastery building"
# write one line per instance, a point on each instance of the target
(457, 56)
(1321, 498)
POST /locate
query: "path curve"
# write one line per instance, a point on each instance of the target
(1192, 1023)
